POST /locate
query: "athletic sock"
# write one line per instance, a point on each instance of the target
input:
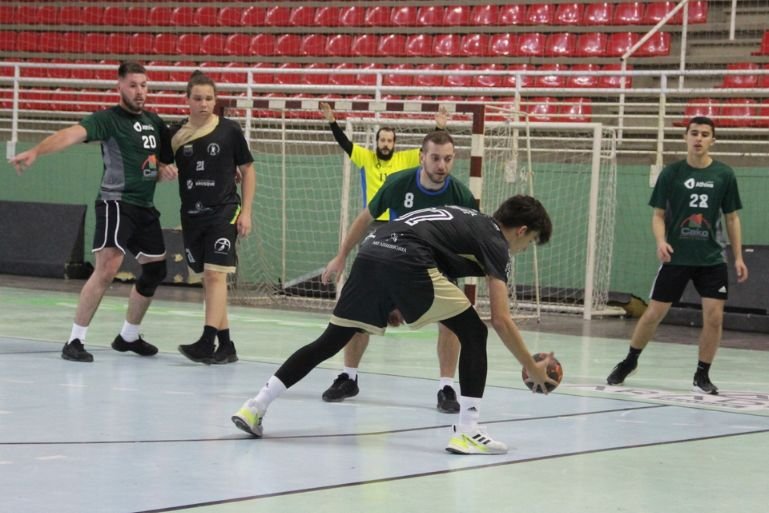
(209, 334)
(224, 337)
(78, 332)
(446, 382)
(469, 413)
(633, 354)
(352, 372)
(130, 332)
(703, 368)
(271, 390)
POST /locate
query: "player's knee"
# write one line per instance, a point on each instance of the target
(152, 275)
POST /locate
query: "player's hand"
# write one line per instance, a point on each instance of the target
(22, 161)
(395, 318)
(538, 375)
(334, 268)
(167, 172)
(442, 117)
(664, 252)
(244, 224)
(741, 270)
(325, 109)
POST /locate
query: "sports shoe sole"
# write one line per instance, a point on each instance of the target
(451, 409)
(207, 360)
(623, 381)
(243, 426)
(471, 451)
(695, 388)
(230, 359)
(73, 359)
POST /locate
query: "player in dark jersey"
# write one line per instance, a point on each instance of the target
(688, 200)
(407, 265)
(208, 151)
(430, 185)
(136, 150)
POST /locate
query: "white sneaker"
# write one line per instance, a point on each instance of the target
(474, 442)
(249, 419)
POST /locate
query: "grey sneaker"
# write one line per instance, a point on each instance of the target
(447, 400)
(75, 352)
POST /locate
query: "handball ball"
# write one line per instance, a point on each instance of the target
(554, 371)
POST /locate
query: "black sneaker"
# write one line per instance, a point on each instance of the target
(200, 351)
(342, 388)
(701, 383)
(75, 352)
(225, 353)
(138, 346)
(447, 400)
(621, 371)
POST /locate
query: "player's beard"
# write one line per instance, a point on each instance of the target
(384, 156)
(132, 105)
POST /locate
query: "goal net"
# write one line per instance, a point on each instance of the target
(308, 192)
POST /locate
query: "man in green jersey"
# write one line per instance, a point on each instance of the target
(429, 185)
(688, 200)
(135, 148)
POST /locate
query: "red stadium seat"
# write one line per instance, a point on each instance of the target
(366, 79)
(190, 44)
(236, 77)
(392, 45)
(512, 80)
(166, 43)
(120, 16)
(237, 44)
(7, 42)
(512, 14)
(591, 44)
(28, 41)
(749, 80)
(342, 79)
(655, 11)
(531, 44)
(262, 78)
(430, 16)
(707, 107)
(352, 16)
(738, 112)
(93, 42)
(425, 80)
(551, 81)
(377, 16)
(8, 16)
(620, 42)
(119, 43)
(302, 16)
(698, 12)
(208, 16)
(313, 45)
(27, 15)
(542, 109)
(288, 44)
(365, 45)
(474, 45)
(488, 80)
(763, 80)
(49, 15)
(484, 15)
(576, 110)
(658, 45)
(107, 73)
(36, 72)
(142, 43)
(216, 76)
(326, 17)
(157, 75)
(614, 81)
(399, 80)
(316, 78)
(598, 13)
(262, 44)
(288, 78)
(539, 14)
(457, 80)
(628, 13)
(588, 79)
(67, 15)
(185, 17)
(213, 44)
(228, 16)
(568, 14)
(277, 16)
(254, 17)
(159, 17)
(503, 45)
(52, 42)
(85, 73)
(764, 49)
(339, 45)
(763, 114)
(59, 72)
(446, 45)
(457, 16)
(404, 16)
(561, 44)
(91, 15)
(419, 45)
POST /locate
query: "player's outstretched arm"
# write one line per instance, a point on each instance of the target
(247, 187)
(505, 327)
(339, 135)
(441, 117)
(734, 230)
(58, 141)
(327, 111)
(354, 235)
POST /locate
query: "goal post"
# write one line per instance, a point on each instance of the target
(308, 192)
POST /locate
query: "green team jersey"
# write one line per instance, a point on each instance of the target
(402, 193)
(693, 200)
(374, 172)
(131, 145)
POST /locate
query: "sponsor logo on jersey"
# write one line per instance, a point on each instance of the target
(139, 127)
(205, 183)
(190, 184)
(187, 150)
(213, 149)
(222, 246)
(691, 183)
(695, 227)
(190, 258)
(150, 168)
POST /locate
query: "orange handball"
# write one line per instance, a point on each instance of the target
(554, 371)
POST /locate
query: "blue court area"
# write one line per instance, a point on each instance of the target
(132, 434)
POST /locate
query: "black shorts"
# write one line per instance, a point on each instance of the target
(128, 227)
(375, 288)
(209, 239)
(710, 282)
